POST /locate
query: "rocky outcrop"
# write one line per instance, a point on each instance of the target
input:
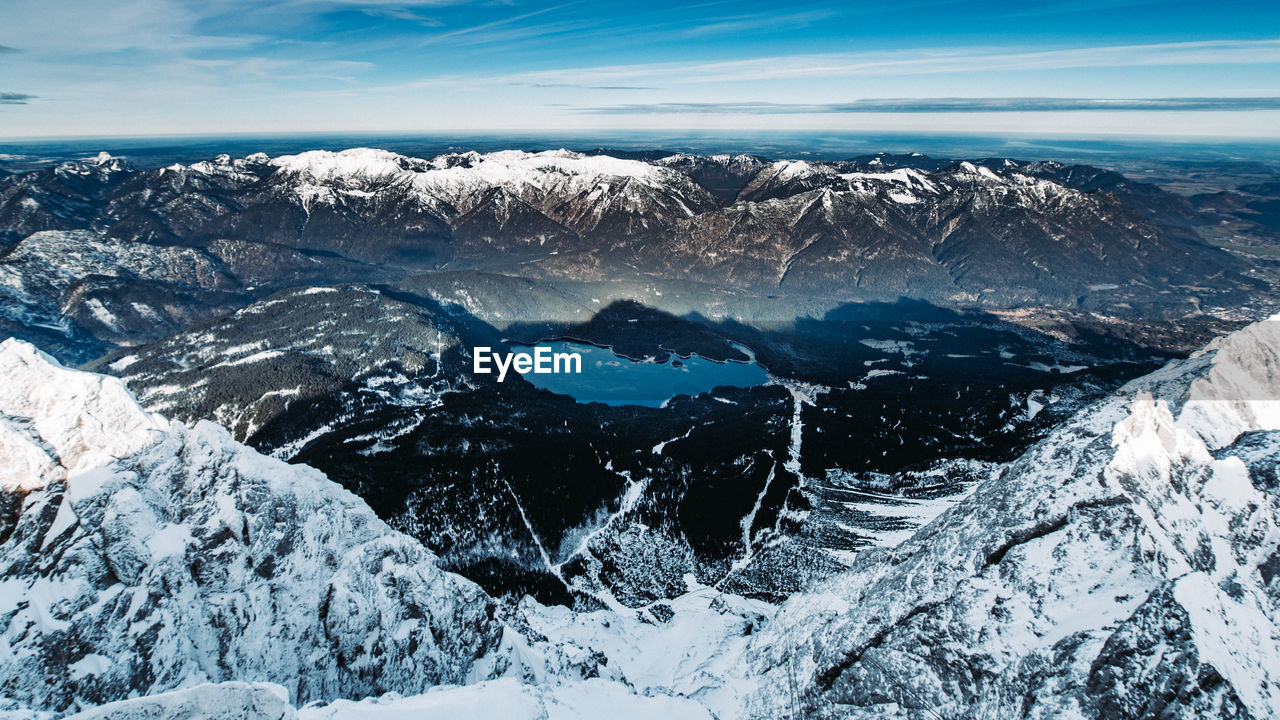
(146, 555)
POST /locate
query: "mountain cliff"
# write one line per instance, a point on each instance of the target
(141, 555)
(1124, 567)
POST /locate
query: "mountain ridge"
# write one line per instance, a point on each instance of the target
(147, 555)
(1123, 567)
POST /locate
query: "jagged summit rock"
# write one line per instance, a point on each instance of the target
(142, 555)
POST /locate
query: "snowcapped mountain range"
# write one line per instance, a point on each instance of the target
(1124, 566)
(968, 482)
(786, 237)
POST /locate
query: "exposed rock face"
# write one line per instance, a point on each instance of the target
(296, 346)
(146, 555)
(1123, 568)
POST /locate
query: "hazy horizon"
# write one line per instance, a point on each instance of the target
(157, 150)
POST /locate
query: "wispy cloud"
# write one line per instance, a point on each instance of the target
(746, 23)
(275, 69)
(14, 98)
(924, 61)
(393, 3)
(586, 87)
(949, 105)
(6, 49)
(483, 28)
(150, 26)
(400, 13)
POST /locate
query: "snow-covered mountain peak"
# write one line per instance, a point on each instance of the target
(1241, 391)
(101, 165)
(976, 175)
(55, 421)
(515, 166)
(325, 165)
(147, 556)
(901, 183)
(1149, 429)
(501, 167)
(792, 169)
(247, 169)
(577, 191)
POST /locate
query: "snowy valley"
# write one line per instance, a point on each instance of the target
(731, 360)
(1124, 566)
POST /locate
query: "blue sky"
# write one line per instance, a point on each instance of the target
(1092, 67)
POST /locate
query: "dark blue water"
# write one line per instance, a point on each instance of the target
(614, 380)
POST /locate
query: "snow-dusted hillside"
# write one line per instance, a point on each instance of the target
(997, 232)
(243, 370)
(77, 293)
(141, 555)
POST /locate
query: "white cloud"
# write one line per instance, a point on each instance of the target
(179, 66)
(84, 27)
(920, 61)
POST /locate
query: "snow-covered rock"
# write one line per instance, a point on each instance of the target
(507, 699)
(1124, 567)
(141, 555)
(502, 699)
(209, 701)
(690, 647)
(573, 189)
